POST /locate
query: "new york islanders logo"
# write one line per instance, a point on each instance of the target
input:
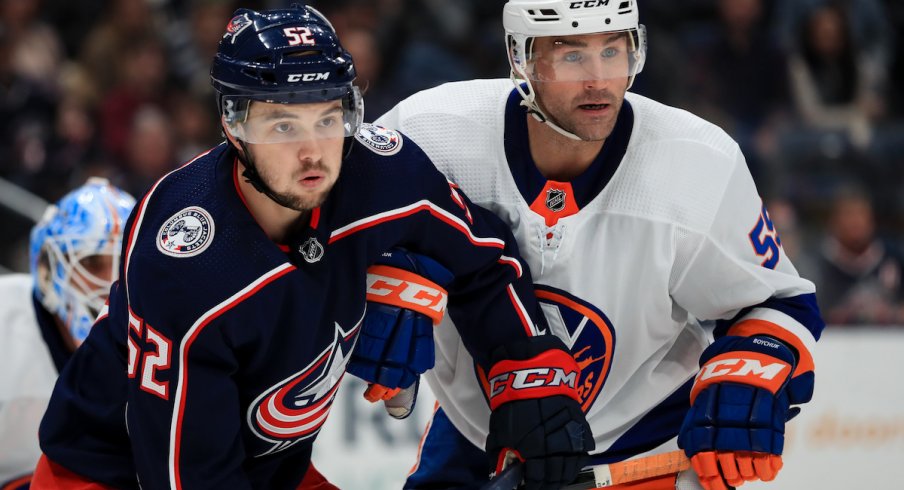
(379, 139)
(587, 333)
(188, 232)
(296, 408)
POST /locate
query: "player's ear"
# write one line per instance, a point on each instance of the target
(235, 144)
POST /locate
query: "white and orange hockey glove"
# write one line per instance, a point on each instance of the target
(741, 399)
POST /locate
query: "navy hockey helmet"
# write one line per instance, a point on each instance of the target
(288, 56)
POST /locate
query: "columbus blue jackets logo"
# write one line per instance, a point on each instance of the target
(587, 333)
(188, 232)
(379, 139)
(555, 199)
(238, 24)
(296, 408)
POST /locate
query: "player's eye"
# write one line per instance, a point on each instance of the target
(283, 127)
(328, 122)
(573, 57)
(610, 53)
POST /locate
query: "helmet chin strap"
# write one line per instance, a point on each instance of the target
(253, 177)
(528, 100)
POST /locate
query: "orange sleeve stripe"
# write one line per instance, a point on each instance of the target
(751, 368)
(398, 287)
(752, 327)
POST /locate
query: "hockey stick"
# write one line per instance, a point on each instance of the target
(631, 470)
(508, 479)
(605, 475)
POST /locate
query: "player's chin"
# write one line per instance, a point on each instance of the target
(593, 128)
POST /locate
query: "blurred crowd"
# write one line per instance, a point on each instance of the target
(811, 89)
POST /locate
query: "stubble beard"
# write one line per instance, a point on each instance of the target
(301, 201)
(597, 130)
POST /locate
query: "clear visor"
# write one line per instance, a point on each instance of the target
(261, 122)
(600, 56)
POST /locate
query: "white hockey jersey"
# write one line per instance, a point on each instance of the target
(27, 376)
(677, 236)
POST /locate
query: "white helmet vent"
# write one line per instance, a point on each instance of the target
(543, 15)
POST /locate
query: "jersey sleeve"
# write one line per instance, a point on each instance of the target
(491, 300)
(737, 273)
(83, 427)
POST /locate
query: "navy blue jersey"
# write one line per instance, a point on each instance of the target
(220, 352)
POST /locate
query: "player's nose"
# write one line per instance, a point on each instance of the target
(310, 150)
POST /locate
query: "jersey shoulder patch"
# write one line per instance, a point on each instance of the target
(188, 232)
(380, 140)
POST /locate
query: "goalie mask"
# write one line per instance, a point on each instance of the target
(552, 41)
(74, 253)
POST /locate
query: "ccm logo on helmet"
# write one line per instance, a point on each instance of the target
(532, 378)
(307, 77)
(587, 4)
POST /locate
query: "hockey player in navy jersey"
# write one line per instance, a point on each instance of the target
(244, 282)
(641, 225)
(44, 316)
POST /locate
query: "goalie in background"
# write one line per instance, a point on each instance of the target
(44, 316)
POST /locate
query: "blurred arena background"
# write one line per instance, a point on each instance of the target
(813, 90)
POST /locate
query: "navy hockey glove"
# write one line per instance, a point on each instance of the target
(536, 412)
(405, 298)
(734, 431)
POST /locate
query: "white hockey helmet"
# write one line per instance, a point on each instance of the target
(526, 20)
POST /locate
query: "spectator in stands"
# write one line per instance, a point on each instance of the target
(192, 42)
(141, 80)
(194, 127)
(150, 150)
(859, 275)
(364, 48)
(738, 78)
(36, 52)
(126, 21)
(26, 120)
(836, 84)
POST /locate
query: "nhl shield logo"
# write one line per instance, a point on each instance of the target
(311, 250)
(187, 233)
(555, 200)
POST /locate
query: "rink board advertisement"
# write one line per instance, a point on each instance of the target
(850, 436)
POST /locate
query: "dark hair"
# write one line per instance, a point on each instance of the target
(836, 78)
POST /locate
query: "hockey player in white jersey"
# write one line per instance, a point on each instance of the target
(643, 228)
(44, 316)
